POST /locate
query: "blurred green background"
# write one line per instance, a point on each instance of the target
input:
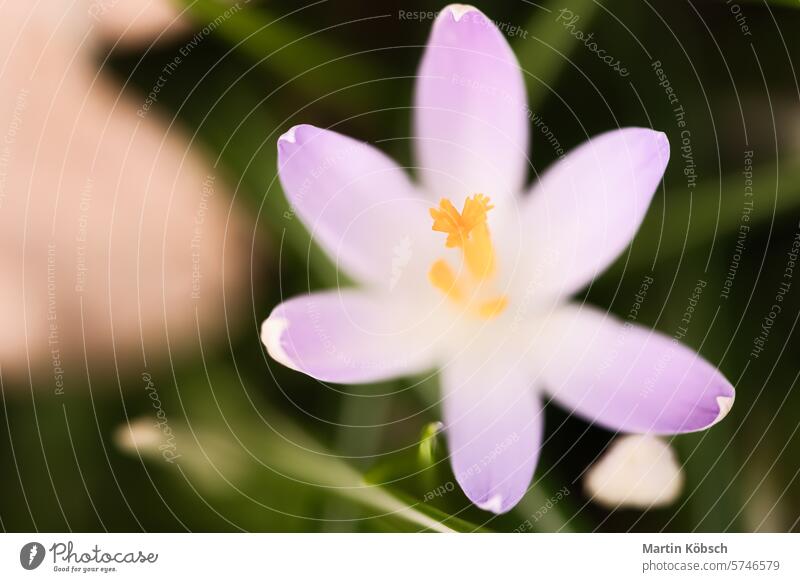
(263, 448)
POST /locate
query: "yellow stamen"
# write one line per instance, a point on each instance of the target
(444, 279)
(479, 253)
(469, 231)
(492, 307)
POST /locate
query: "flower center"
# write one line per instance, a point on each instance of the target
(470, 285)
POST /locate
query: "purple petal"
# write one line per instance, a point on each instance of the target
(346, 337)
(628, 378)
(586, 209)
(358, 204)
(494, 429)
(471, 119)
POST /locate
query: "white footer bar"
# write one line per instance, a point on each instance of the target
(356, 557)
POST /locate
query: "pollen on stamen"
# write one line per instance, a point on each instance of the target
(458, 226)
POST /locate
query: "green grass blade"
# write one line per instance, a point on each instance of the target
(312, 62)
(545, 52)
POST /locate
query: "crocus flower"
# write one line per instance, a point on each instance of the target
(637, 471)
(112, 225)
(468, 272)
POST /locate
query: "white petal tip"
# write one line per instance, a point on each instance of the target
(663, 144)
(493, 504)
(289, 136)
(637, 471)
(459, 10)
(725, 404)
(271, 331)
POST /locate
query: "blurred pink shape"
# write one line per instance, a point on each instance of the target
(114, 232)
(135, 22)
